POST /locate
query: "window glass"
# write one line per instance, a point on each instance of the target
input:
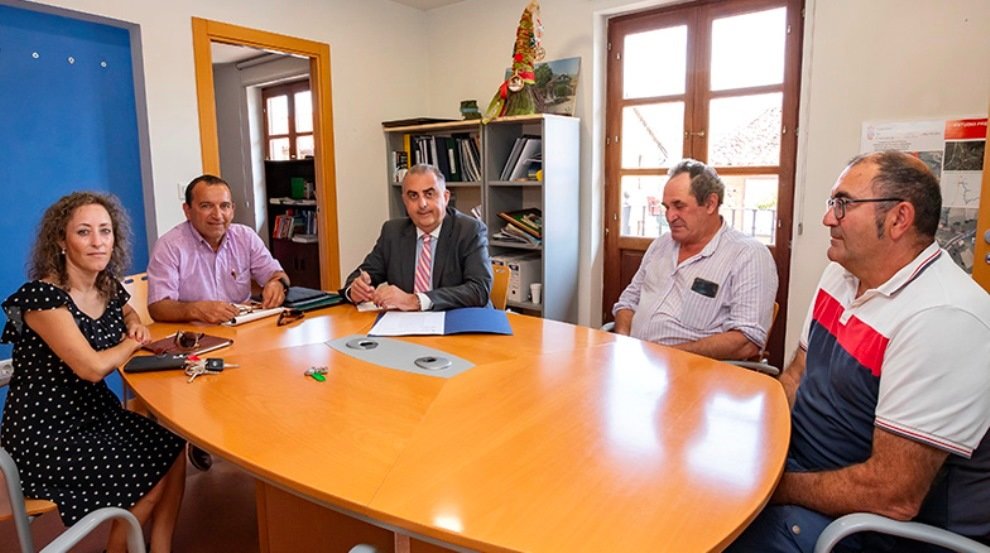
(748, 50)
(304, 112)
(652, 135)
(750, 205)
(654, 63)
(304, 146)
(278, 115)
(745, 130)
(278, 149)
(642, 214)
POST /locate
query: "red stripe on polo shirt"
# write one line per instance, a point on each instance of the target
(861, 341)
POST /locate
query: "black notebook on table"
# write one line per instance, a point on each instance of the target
(149, 363)
(308, 299)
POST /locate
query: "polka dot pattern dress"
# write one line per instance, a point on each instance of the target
(72, 441)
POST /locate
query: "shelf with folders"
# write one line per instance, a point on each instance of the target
(529, 169)
(452, 147)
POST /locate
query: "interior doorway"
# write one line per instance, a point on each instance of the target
(206, 35)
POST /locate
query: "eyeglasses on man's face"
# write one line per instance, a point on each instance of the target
(839, 205)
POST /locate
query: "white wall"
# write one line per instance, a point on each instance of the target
(883, 59)
(377, 69)
(880, 59)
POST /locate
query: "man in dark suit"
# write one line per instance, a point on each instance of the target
(434, 259)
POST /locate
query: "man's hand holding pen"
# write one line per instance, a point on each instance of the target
(361, 288)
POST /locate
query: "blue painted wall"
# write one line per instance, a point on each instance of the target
(65, 125)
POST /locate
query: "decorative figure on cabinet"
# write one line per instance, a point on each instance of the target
(515, 95)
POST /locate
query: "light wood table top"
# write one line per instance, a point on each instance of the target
(561, 438)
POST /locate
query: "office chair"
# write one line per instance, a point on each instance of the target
(500, 286)
(23, 511)
(759, 362)
(868, 522)
(137, 287)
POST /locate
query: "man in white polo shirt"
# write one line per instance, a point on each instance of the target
(703, 287)
(890, 388)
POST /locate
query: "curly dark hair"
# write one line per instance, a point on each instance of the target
(47, 259)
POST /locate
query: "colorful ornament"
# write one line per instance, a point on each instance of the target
(515, 95)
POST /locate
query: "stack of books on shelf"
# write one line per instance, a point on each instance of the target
(525, 162)
(457, 156)
(524, 226)
(299, 228)
(291, 201)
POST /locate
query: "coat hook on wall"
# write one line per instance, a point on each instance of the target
(103, 64)
(72, 60)
(35, 55)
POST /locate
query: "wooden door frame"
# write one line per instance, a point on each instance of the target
(206, 31)
(981, 251)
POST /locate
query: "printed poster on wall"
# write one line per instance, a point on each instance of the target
(953, 149)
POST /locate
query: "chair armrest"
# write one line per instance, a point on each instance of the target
(85, 525)
(868, 522)
(756, 366)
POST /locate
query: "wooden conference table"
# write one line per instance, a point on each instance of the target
(561, 438)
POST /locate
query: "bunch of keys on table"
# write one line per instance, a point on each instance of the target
(196, 366)
(317, 373)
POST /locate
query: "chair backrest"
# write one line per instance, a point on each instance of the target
(500, 286)
(17, 508)
(22, 511)
(869, 522)
(137, 287)
(762, 356)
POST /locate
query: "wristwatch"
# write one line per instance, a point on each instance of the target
(285, 284)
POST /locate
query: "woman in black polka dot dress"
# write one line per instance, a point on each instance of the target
(71, 327)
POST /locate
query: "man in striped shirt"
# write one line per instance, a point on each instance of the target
(704, 287)
(890, 388)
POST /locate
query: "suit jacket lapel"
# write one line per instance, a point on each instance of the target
(444, 247)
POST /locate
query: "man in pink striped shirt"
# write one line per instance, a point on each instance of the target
(202, 267)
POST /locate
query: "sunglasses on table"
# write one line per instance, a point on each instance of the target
(289, 316)
(189, 340)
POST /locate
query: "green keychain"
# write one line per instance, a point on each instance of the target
(317, 373)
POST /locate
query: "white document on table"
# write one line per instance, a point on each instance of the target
(398, 323)
(250, 313)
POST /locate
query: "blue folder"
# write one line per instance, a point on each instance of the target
(481, 320)
(476, 320)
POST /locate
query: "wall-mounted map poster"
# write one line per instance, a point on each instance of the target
(953, 149)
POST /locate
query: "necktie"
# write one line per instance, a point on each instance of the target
(424, 267)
